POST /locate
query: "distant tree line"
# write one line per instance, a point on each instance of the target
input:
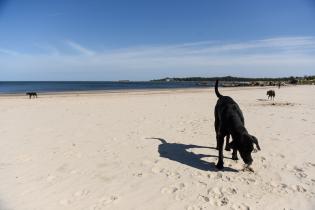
(291, 80)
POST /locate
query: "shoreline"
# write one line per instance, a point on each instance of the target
(141, 90)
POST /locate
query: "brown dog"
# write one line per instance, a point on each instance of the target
(271, 94)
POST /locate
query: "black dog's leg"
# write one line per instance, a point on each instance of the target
(217, 142)
(216, 126)
(227, 144)
(234, 154)
(220, 141)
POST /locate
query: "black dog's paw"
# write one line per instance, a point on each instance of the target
(219, 165)
(227, 148)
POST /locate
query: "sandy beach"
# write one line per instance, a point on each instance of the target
(154, 150)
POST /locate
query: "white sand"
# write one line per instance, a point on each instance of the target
(91, 152)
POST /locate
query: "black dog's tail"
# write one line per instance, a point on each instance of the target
(216, 89)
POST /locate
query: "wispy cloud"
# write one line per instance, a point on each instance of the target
(267, 57)
(9, 52)
(48, 49)
(79, 48)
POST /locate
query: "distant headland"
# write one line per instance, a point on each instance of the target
(243, 81)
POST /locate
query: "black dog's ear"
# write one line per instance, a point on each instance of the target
(255, 141)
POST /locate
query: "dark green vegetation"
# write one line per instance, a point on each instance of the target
(288, 80)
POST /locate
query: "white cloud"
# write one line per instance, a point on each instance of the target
(8, 52)
(47, 48)
(268, 57)
(79, 48)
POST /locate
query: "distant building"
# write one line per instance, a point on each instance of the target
(168, 79)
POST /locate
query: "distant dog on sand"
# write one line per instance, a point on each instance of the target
(229, 120)
(271, 94)
(32, 94)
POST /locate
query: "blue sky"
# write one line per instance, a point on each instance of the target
(149, 39)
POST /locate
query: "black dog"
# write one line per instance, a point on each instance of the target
(229, 120)
(30, 94)
(271, 94)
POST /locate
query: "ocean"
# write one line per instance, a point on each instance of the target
(46, 87)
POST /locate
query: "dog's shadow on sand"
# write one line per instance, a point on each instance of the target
(178, 152)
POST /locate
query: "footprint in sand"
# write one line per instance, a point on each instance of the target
(108, 200)
(229, 191)
(202, 184)
(223, 202)
(268, 187)
(65, 202)
(182, 186)
(299, 172)
(81, 193)
(281, 156)
(176, 190)
(179, 197)
(283, 188)
(193, 208)
(263, 161)
(299, 188)
(204, 198)
(219, 197)
(249, 181)
(63, 168)
(310, 164)
(104, 201)
(217, 202)
(170, 174)
(240, 207)
(215, 193)
(156, 169)
(138, 174)
(219, 176)
(169, 190)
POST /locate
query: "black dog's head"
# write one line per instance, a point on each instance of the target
(245, 146)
